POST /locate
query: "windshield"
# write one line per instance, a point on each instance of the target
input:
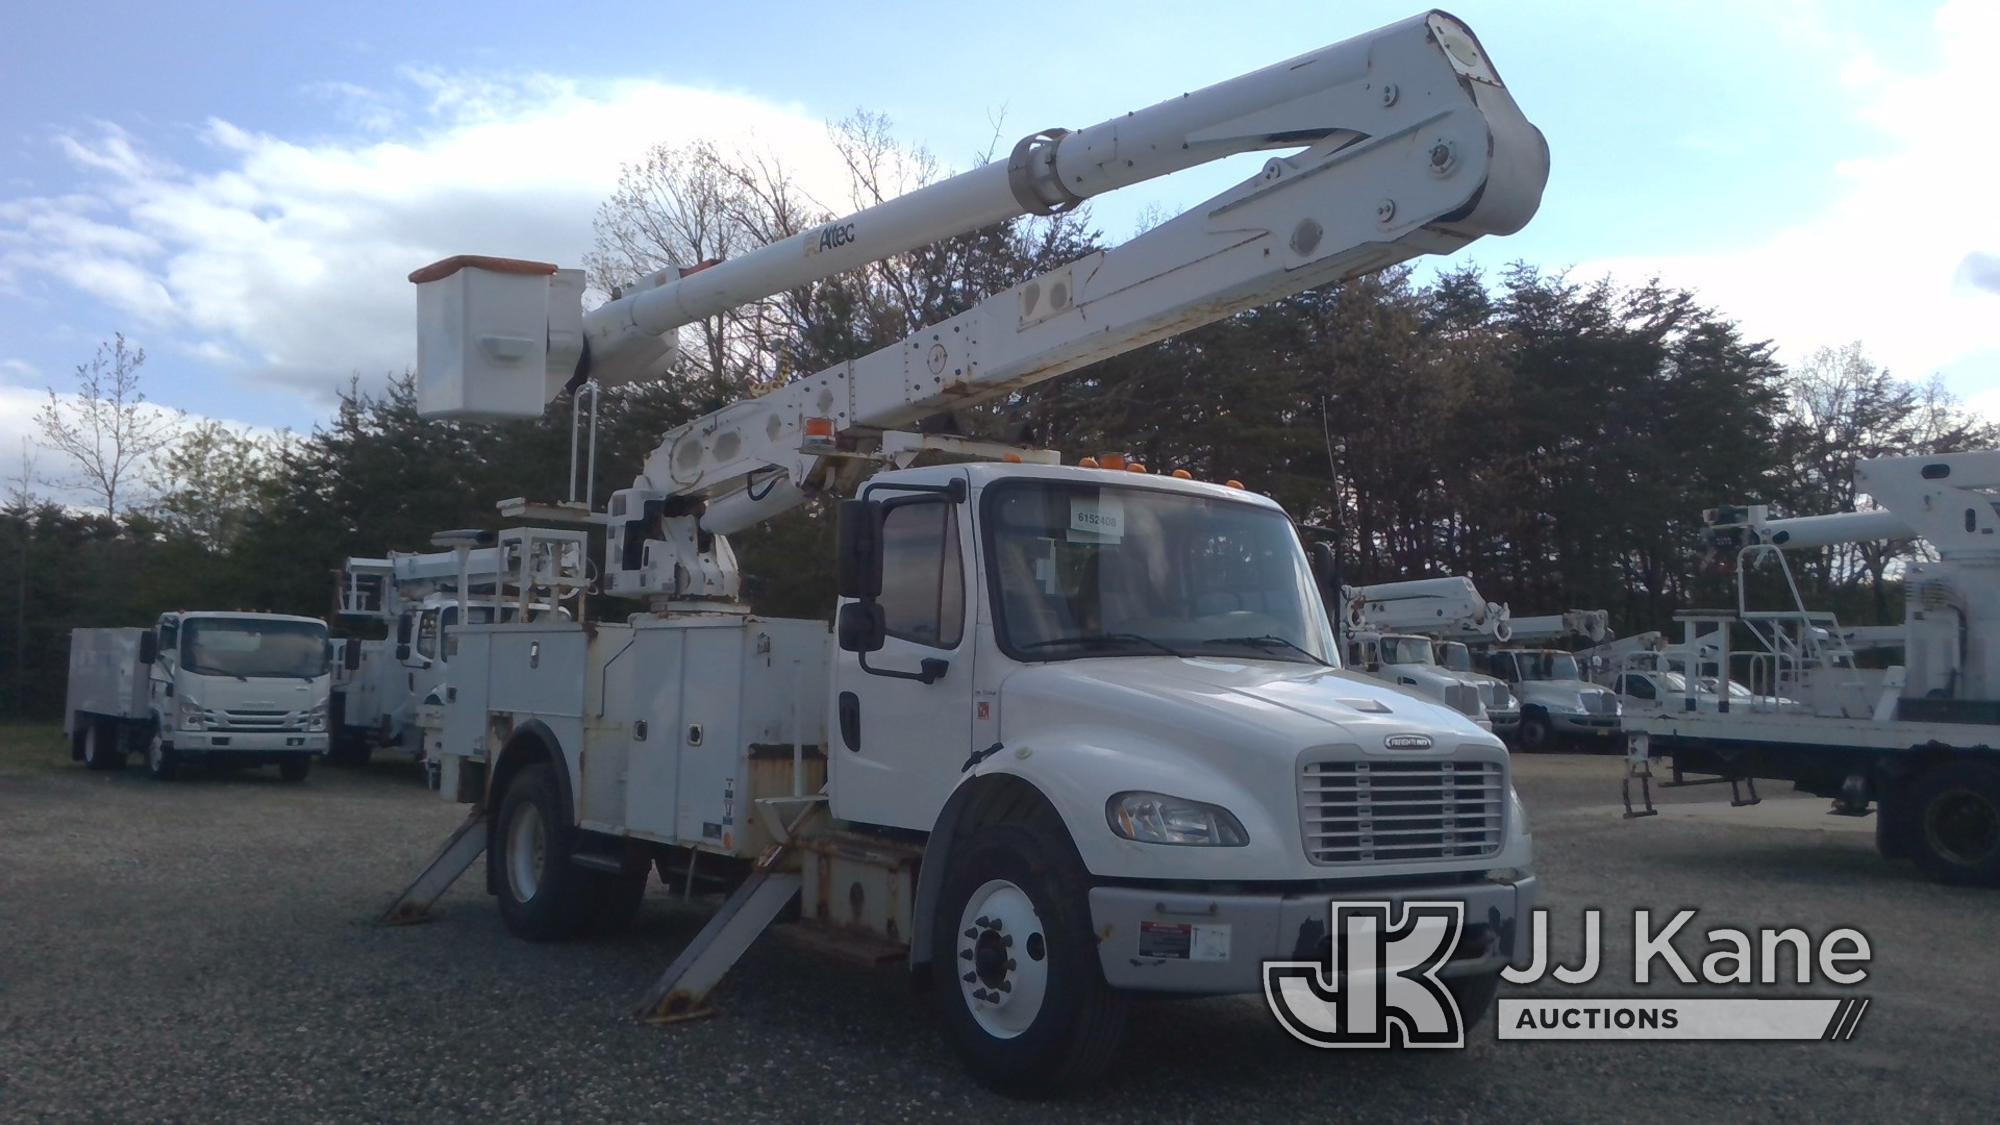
(247, 646)
(1406, 650)
(1547, 666)
(1089, 570)
(1454, 656)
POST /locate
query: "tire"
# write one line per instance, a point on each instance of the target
(295, 769)
(543, 896)
(1954, 823)
(1474, 996)
(1536, 734)
(1893, 835)
(101, 750)
(1005, 879)
(161, 761)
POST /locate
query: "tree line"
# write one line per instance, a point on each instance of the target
(1555, 438)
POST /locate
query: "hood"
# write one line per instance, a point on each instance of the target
(1240, 701)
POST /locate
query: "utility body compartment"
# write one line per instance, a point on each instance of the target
(669, 729)
(106, 678)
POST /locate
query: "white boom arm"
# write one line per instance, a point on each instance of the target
(1409, 145)
(1450, 608)
(1945, 500)
(1593, 625)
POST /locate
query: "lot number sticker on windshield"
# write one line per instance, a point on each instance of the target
(1099, 519)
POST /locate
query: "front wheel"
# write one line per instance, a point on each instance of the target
(1023, 996)
(1536, 733)
(160, 759)
(1955, 824)
(1474, 996)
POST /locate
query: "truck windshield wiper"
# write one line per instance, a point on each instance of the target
(1269, 640)
(1084, 639)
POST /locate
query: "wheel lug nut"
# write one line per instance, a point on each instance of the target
(965, 954)
(1010, 965)
(1005, 986)
(969, 977)
(972, 933)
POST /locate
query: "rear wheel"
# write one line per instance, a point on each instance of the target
(295, 769)
(101, 750)
(1017, 975)
(160, 759)
(1955, 823)
(542, 894)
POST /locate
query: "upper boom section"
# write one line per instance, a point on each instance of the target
(1407, 143)
(1948, 500)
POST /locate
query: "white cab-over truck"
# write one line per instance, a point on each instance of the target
(1081, 732)
(1410, 662)
(220, 689)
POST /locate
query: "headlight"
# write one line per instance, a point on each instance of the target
(1155, 818)
(191, 716)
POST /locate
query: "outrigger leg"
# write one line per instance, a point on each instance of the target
(1638, 767)
(682, 991)
(465, 844)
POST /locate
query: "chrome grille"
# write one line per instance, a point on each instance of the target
(1389, 811)
(1495, 696)
(251, 720)
(1462, 698)
(1599, 702)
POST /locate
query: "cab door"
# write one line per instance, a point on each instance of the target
(898, 742)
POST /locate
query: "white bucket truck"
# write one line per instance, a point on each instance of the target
(221, 689)
(1082, 731)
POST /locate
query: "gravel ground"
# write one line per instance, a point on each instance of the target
(201, 951)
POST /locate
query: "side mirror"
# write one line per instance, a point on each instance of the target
(862, 628)
(403, 626)
(350, 655)
(858, 554)
(402, 650)
(149, 647)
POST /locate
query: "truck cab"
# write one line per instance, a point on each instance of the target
(1502, 709)
(237, 689)
(1409, 662)
(1556, 702)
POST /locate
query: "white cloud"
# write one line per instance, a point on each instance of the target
(289, 257)
(1897, 259)
(19, 370)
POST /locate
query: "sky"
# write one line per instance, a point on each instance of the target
(242, 188)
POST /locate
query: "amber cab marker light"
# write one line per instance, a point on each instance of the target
(1233, 483)
(1112, 461)
(819, 427)
(1183, 474)
(1135, 467)
(1011, 458)
(1087, 463)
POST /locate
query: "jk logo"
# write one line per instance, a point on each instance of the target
(1381, 984)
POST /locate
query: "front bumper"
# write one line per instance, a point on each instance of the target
(221, 744)
(1179, 941)
(1504, 722)
(1585, 723)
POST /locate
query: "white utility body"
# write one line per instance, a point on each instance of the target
(225, 689)
(1083, 732)
(390, 692)
(1917, 740)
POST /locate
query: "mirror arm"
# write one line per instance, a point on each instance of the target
(931, 670)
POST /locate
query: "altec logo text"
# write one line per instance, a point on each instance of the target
(1388, 982)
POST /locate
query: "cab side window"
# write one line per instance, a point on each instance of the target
(923, 577)
(427, 635)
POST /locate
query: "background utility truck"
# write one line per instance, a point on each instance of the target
(1082, 732)
(224, 689)
(390, 693)
(1920, 741)
(1391, 627)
